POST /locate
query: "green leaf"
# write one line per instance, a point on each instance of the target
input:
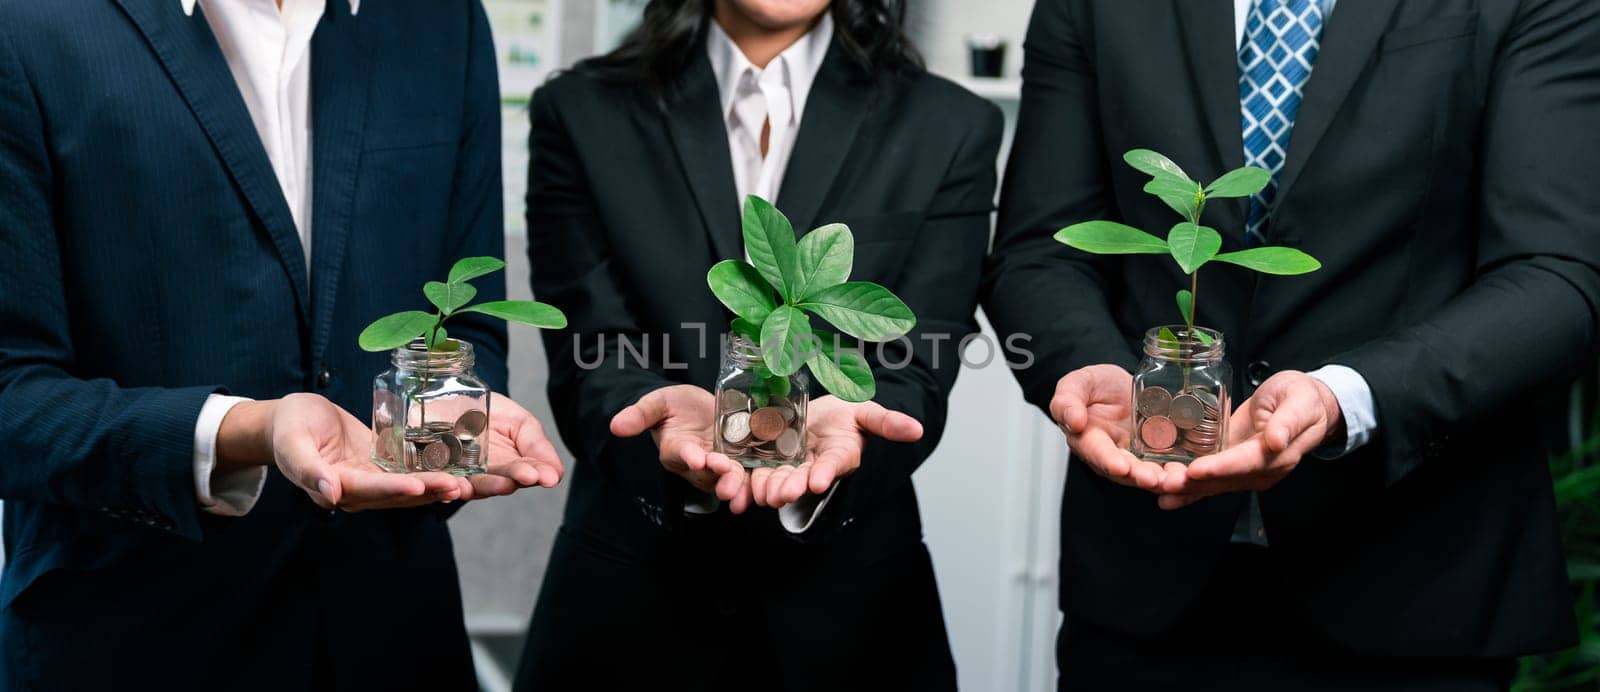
(435, 338)
(1186, 305)
(769, 240)
(394, 331)
(778, 386)
(1182, 196)
(747, 327)
(1282, 261)
(523, 311)
(1110, 238)
(843, 372)
(825, 258)
(863, 310)
(1193, 245)
(784, 336)
(1167, 339)
(1155, 165)
(1204, 338)
(469, 268)
(1240, 182)
(740, 287)
(448, 297)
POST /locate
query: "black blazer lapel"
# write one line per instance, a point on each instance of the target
(193, 60)
(699, 134)
(339, 81)
(1348, 39)
(1208, 38)
(840, 99)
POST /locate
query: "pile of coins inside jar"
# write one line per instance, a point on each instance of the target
(769, 435)
(1183, 426)
(441, 445)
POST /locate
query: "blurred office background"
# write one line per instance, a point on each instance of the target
(990, 494)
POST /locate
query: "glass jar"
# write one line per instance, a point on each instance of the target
(429, 411)
(761, 418)
(1180, 397)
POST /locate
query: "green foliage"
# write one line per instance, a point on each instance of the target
(786, 281)
(1577, 489)
(1189, 243)
(451, 298)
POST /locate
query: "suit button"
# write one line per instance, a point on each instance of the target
(324, 378)
(1258, 372)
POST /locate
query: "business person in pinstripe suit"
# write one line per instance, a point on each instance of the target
(207, 200)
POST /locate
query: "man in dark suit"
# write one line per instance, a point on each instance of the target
(634, 193)
(1383, 517)
(161, 189)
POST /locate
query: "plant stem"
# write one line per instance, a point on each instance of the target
(428, 344)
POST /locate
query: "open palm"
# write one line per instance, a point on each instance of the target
(520, 455)
(328, 453)
(836, 434)
(682, 420)
(1094, 407)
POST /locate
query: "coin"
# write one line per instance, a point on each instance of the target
(1154, 401)
(453, 445)
(788, 414)
(789, 443)
(471, 424)
(1206, 398)
(1187, 411)
(731, 400)
(1158, 432)
(766, 424)
(736, 428)
(433, 457)
(472, 455)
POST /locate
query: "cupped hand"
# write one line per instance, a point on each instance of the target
(1094, 408)
(327, 453)
(682, 420)
(1289, 415)
(520, 455)
(836, 432)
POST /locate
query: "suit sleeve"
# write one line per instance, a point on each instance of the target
(1056, 177)
(572, 269)
(939, 282)
(87, 444)
(477, 216)
(1529, 319)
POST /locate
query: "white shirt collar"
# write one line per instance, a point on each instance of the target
(188, 6)
(800, 63)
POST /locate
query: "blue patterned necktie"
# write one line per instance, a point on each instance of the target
(1275, 60)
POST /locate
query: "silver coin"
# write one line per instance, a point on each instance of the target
(471, 424)
(731, 400)
(788, 413)
(736, 428)
(433, 457)
(788, 444)
(472, 455)
(1154, 401)
(452, 443)
(1187, 411)
(1206, 398)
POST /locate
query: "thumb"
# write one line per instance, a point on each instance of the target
(889, 425)
(644, 414)
(300, 459)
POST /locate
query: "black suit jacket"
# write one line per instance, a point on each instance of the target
(1441, 167)
(149, 261)
(631, 199)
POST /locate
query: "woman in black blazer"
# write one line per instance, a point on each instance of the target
(673, 569)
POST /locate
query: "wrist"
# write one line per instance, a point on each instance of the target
(1332, 413)
(245, 437)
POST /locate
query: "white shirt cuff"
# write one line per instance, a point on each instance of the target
(230, 494)
(696, 502)
(798, 516)
(1355, 401)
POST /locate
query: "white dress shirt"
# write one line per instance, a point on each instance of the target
(268, 50)
(1349, 387)
(754, 98)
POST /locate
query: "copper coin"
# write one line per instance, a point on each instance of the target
(1187, 411)
(731, 400)
(1153, 401)
(433, 457)
(471, 424)
(789, 443)
(736, 428)
(766, 424)
(1158, 432)
(453, 445)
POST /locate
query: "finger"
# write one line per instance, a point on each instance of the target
(1243, 459)
(644, 414)
(728, 485)
(889, 425)
(1106, 457)
(533, 443)
(824, 473)
(780, 477)
(797, 483)
(691, 452)
(1299, 410)
(1172, 502)
(302, 462)
(1146, 474)
(741, 497)
(549, 474)
(1174, 476)
(491, 485)
(758, 485)
(1070, 407)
